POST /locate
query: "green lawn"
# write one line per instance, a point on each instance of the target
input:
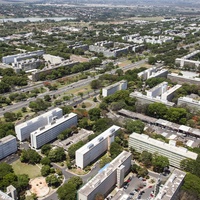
(22, 168)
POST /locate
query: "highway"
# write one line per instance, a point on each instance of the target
(64, 89)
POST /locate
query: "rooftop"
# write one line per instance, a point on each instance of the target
(4, 196)
(6, 139)
(54, 124)
(109, 132)
(172, 184)
(115, 84)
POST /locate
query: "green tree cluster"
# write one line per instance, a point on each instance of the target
(68, 191)
(30, 156)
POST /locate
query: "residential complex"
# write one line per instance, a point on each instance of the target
(107, 178)
(161, 93)
(175, 154)
(23, 130)
(186, 101)
(18, 57)
(171, 187)
(49, 132)
(153, 72)
(8, 145)
(93, 149)
(187, 60)
(111, 89)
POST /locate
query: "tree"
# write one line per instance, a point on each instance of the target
(45, 171)
(45, 161)
(9, 116)
(157, 110)
(22, 182)
(192, 184)
(72, 149)
(159, 163)
(67, 192)
(30, 156)
(76, 180)
(152, 60)
(134, 126)
(95, 84)
(5, 169)
(94, 114)
(115, 149)
(52, 180)
(45, 149)
(47, 98)
(24, 109)
(57, 155)
(146, 158)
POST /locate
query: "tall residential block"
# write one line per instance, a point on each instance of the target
(111, 89)
(8, 145)
(24, 130)
(96, 147)
(107, 178)
(49, 132)
(175, 154)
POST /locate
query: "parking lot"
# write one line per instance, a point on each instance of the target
(138, 188)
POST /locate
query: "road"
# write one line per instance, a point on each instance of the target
(75, 85)
(68, 175)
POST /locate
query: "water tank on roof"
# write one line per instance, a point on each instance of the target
(90, 146)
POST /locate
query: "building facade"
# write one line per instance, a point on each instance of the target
(8, 145)
(186, 101)
(49, 132)
(23, 130)
(175, 154)
(96, 147)
(107, 178)
(111, 89)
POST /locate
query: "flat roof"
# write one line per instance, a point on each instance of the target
(101, 176)
(36, 118)
(6, 139)
(162, 145)
(158, 86)
(171, 186)
(53, 124)
(115, 84)
(88, 146)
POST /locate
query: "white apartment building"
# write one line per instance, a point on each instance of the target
(175, 154)
(186, 101)
(153, 72)
(111, 89)
(96, 147)
(49, 132)
(8, 145)
(158, 90)
(107, 178)
(171, 187)
(23, 130)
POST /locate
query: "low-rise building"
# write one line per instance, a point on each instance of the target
(8, 145)
(186, 101)
(93, 149)
(49, 132)
(175, 154)
(111, 89)
(171, 188)
(107, 178)
(24, 130)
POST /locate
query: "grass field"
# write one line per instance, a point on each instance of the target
(22, 168)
